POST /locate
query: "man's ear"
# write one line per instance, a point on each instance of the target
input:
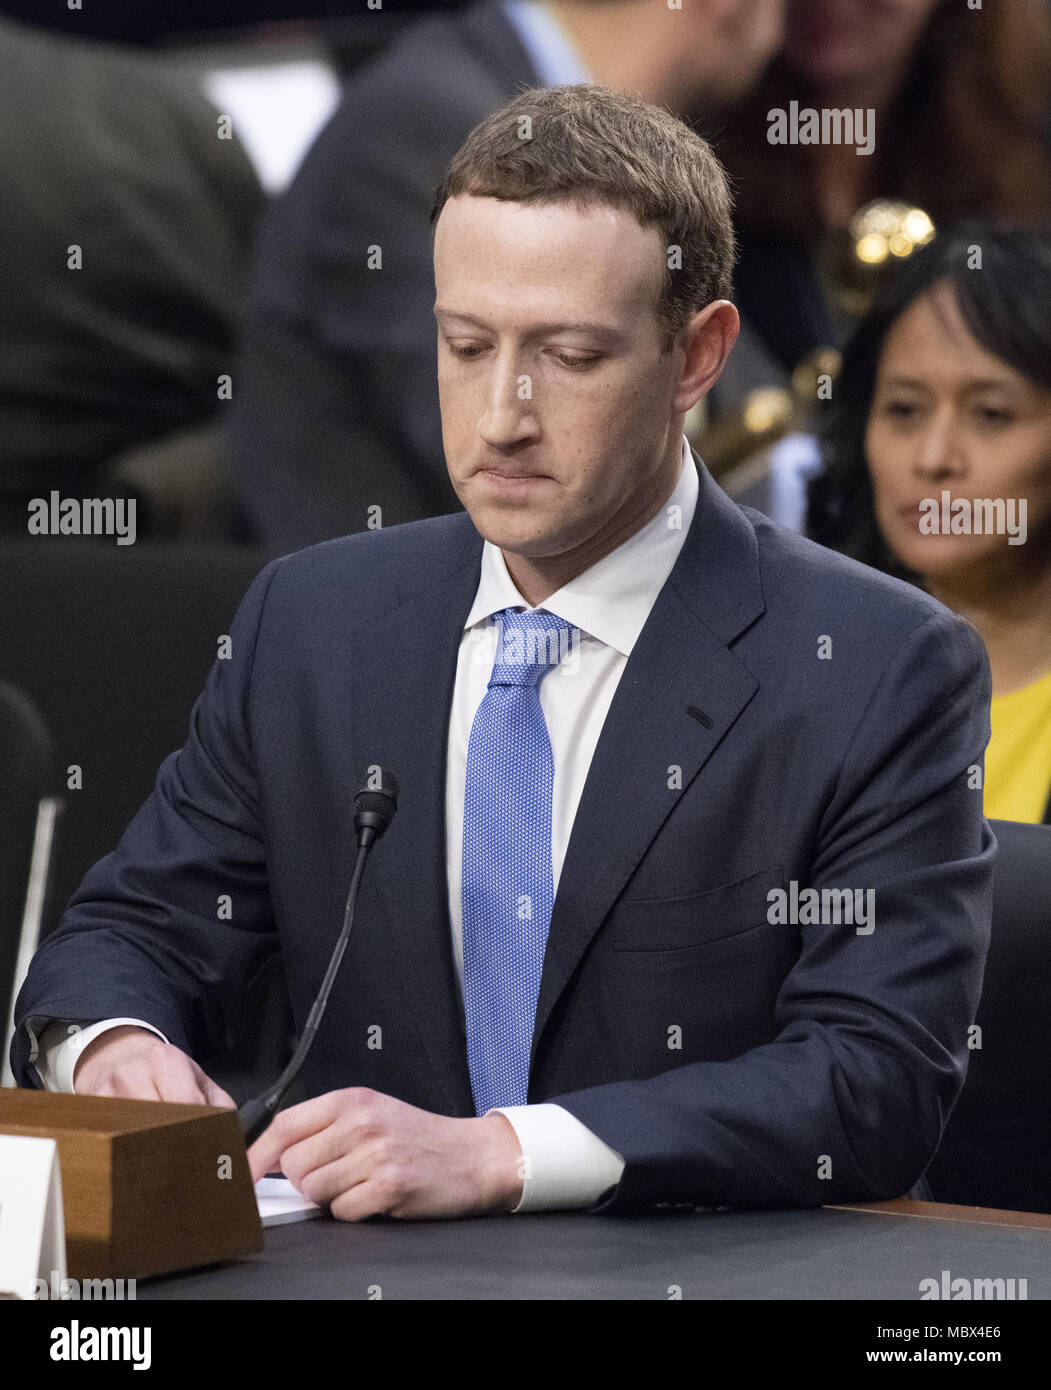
(707, 339)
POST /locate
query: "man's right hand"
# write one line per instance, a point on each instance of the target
(131, 1062)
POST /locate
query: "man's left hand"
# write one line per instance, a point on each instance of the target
(360, 1153)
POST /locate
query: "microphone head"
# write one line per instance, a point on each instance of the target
(376, 802)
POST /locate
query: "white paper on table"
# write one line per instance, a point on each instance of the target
(280, 1203)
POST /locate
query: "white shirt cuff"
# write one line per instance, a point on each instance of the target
(62, 1043)
(564, 1163)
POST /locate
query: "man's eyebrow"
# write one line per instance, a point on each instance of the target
(602, 330)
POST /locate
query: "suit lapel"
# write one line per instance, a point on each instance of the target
(681, 661)
(405, 666)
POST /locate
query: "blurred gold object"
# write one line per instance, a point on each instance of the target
(762, 419)
(765, 416)
(853, 261)
(807, 379)
(856, 257)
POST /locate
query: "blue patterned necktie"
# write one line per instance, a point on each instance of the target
(507, 874)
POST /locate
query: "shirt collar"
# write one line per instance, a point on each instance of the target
(548, 47)
(612, 598)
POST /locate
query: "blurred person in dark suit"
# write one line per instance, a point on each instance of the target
(131, 20)
(945, 400)
(961, 127)
(127, 224)
(336, 408)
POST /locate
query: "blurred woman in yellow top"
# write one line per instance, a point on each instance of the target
(937, 468)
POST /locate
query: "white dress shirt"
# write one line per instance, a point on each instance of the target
(567, 1165)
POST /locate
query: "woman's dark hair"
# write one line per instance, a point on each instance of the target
(967, 134)
(1006, 304)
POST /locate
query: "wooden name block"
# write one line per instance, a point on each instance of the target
(148, 1187)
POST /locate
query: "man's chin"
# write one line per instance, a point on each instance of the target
(505, 524)
(533, 540)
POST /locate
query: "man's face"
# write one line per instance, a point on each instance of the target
(558, 414)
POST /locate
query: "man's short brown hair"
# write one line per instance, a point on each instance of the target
(587, 145)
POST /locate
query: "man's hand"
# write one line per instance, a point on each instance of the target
(129, 1061)
(360, 1153)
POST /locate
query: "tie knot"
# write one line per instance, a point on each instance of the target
(528, 645)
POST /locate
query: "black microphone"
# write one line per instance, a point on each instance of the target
(374, 808)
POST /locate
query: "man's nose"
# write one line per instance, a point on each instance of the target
(509, 412)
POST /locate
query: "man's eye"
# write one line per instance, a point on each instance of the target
(467, 353)
(901, 409)
(577, 364)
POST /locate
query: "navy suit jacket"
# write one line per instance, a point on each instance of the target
(731, 1060)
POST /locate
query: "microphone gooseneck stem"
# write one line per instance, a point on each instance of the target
(256, 1114)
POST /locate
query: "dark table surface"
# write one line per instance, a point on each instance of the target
(882, 1251)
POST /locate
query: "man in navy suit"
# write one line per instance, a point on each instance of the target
(687, 898)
